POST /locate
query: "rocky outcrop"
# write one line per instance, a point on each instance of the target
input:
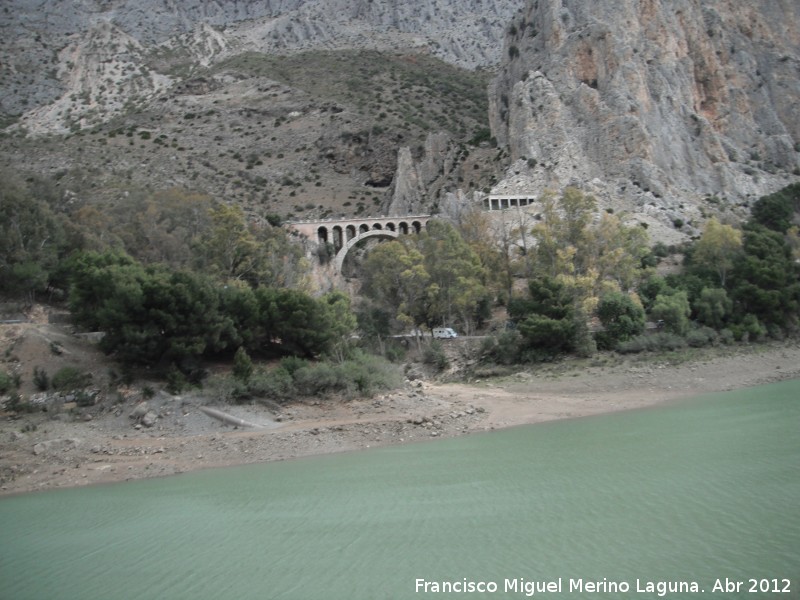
(652, 105)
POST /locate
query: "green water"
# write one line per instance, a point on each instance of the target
(698, 491)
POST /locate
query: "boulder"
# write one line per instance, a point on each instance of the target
(139, 411)
(149, 419)
(56, 445)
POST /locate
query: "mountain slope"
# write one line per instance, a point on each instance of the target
(655, 106)
(46, 45)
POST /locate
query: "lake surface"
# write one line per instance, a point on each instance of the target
(698, 491)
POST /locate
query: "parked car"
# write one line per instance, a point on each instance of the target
(444, 333)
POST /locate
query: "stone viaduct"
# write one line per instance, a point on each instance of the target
(343, 234)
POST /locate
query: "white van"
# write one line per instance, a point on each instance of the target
(444, 333)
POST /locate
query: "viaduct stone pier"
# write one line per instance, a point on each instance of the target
(343, 234)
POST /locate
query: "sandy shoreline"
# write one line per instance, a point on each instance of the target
(38, 452)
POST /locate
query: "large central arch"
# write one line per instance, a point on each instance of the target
(379, 233)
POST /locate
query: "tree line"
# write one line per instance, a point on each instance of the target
(173, 277)
(737, 283)
(170, 278)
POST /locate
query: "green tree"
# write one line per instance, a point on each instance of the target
(546, 319)
(562, 233)
(492, 245)
(766, 279)
(94, 277)
(396, 279)
(32, 241)
(229, 247)
(374, 324)
(546, 296)
(717, 249)
(650, 288)
(456, 277)
(622, 318)
(163, 227)
(545, 338)
(674, 310)
(615, 252)
(242, 365)
(150, 315)
(777, 211)
(713, 307)
(291, 322)
(592, 259)
(341, 323)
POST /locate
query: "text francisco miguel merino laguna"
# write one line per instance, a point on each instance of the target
(529, 588)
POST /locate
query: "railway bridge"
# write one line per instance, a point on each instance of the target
(343, 234)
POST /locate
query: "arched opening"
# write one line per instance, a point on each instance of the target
(417, 226)
(377, 226)
(363, 238)
(363, 228)
(404, 228)
(322, 235)
(350, 232)
(338, 242)
(391, 227)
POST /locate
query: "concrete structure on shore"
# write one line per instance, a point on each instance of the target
(343, 234)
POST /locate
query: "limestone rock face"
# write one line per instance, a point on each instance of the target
(652, 104)
(422, 184)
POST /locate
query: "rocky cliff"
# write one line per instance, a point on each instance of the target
(655, 106)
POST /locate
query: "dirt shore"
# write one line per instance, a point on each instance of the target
(111, 444)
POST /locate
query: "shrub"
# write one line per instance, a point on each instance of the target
(70, 379)
(651, 343)
(242, 365)
(726, 336)
(749, 329)
(674, 310)
(176, 381)
(703, 336)
(40, 379)
(6, 383)
(292, 364)
(18, 405)
(317, 379)
(276, 384)
(84, 399)
(434, 356)
(622, 318)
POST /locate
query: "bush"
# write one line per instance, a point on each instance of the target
(40, 379)
(292, 364)
(749, 329)
(176, 381)
(726, 336)
(18, 405)
(622, 318)
(363, 375)
(316, 379)
(434, 356)
(276, 384)
(6, 383)
(503, 349)
(651, 343)
(703, 336)
(68, 379)
(242, 365)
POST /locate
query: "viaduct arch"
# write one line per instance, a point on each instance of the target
(343, 234)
